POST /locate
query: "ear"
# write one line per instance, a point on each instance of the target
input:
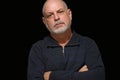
(43, 19)
(70, 13)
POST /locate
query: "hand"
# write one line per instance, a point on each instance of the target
(84, 68)
(47, 75)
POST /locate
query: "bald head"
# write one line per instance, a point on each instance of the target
(53, 4)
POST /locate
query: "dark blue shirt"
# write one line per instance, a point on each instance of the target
(48, 55)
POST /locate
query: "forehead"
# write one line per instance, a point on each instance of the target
(53, 5)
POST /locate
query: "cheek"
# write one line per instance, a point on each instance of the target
(66, 18)
(50, 24)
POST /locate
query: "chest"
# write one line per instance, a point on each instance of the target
(67, 58)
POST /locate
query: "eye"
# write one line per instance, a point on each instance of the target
(49, 15)
(60, 11)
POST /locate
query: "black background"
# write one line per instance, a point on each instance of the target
(23, 26)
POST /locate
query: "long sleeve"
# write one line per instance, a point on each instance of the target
(69, 75)
(35, 64)
(46, 56)
(95, 65)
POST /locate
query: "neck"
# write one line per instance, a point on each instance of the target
(63, 38)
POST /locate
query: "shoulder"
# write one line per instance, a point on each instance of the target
(40, 43)
(85, 40)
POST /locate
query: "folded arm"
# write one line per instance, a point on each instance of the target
(47, 74)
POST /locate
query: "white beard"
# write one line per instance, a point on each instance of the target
(59, 30)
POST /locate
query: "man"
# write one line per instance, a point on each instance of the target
(64, 54)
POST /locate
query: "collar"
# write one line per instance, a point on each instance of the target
(74, 41)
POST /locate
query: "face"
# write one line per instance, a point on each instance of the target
(57, 17)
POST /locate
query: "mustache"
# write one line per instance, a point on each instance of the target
(58, 22)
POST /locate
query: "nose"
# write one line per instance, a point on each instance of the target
(56, 17)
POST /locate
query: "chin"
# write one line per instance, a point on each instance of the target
(60, 30)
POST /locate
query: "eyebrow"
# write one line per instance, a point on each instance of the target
(56, 11)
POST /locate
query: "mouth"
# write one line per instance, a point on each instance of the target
(59, 24)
